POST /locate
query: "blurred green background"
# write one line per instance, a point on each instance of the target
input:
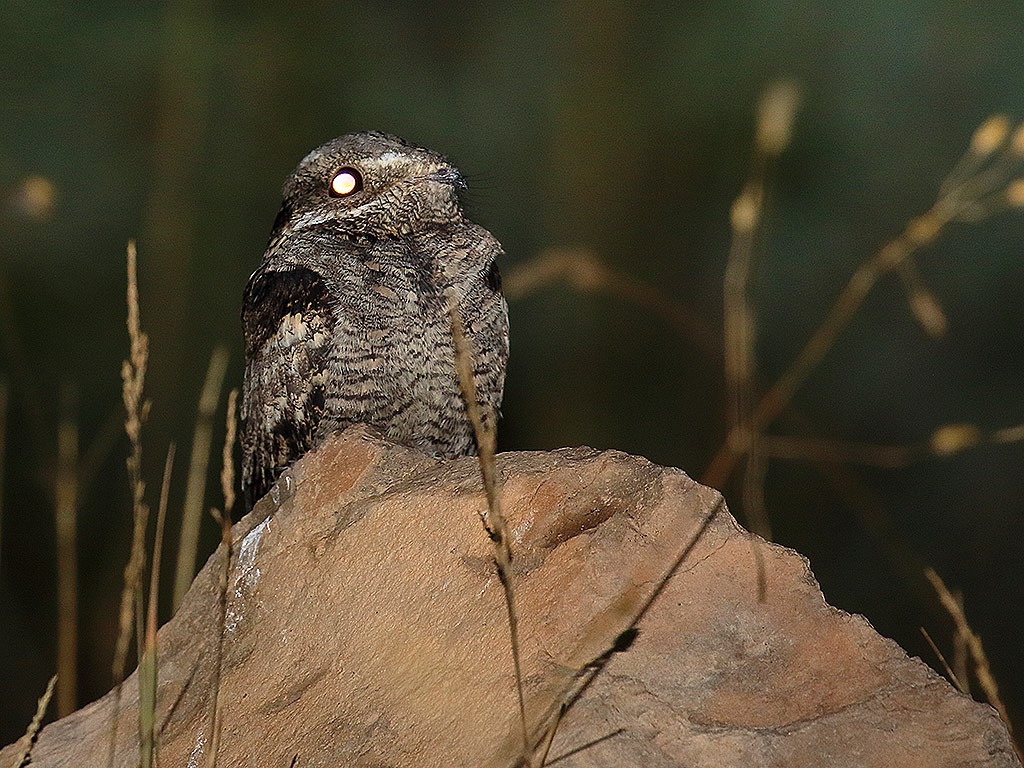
(619, 129)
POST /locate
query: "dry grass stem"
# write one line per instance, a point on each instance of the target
(494, 522)
(961, 649)
(580, 269)
(923, 303)
(928, 312)
(66, 516)
(982, 183)
(584, 747)
(195, 486)
(1013, 434)
(947, 440)
(988, 138)
(1015, 194)
(483, 429)
(945, 665)
(140, 623)
(739, 315)
(982, 670)
(950, 439)
(227, 470)
(756, 512)
(549, 739)
(149, 658)
(776, 114)
(3, 449)
(814, 449)
(133, 377)
(872, 515)
(975, 189)
(227, 480)
(585, 674)
(21, 758)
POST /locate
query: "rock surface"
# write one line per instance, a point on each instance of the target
(366, 627)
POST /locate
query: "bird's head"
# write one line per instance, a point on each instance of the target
(369, 185)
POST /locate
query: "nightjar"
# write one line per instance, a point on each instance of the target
(346, 320)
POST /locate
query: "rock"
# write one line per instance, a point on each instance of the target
(366, 626)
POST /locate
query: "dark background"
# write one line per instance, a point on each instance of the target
(625, 132)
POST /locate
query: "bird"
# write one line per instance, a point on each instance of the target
(346, 320)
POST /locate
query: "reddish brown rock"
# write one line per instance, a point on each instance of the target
(366, 627)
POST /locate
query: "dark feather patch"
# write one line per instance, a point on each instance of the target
(494, 277)
(284, 217)
(281, 434)
(270, 295)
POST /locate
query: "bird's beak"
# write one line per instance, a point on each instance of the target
(448, 176)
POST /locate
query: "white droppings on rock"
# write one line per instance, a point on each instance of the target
(284, 488)
(196, 755)
(247, 576)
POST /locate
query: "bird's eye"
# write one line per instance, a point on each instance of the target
(345, 182)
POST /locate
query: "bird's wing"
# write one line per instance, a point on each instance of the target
(288, 319)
